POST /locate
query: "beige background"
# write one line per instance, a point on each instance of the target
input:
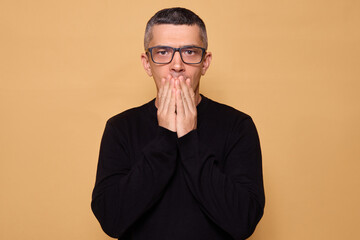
(67, 66)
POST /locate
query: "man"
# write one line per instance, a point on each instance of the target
(181, 166)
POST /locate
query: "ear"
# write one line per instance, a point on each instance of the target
(206, 62)
(146, 64)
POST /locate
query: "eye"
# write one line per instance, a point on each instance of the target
(162, 51)
(189, 52)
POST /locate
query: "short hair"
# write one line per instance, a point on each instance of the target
(176, 16)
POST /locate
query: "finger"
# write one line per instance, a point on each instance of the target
(161, 89)
(179, 87)
(191, 91)
(189, 95)
(168, 96)
(185, 96)
(172, 104)
(164, 94)
(179, 104)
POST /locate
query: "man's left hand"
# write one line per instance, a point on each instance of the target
(186, 118)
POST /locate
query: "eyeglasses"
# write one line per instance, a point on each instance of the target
(188, 54)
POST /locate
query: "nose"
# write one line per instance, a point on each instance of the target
(177, 65)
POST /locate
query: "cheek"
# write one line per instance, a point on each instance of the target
(195, 84)
(159, 72)
(195, 78)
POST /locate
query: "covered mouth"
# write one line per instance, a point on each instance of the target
(177, 75)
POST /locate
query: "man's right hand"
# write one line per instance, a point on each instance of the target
(166, 104)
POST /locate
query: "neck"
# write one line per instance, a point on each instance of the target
(197, 98)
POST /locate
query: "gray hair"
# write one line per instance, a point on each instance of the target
(176, 16)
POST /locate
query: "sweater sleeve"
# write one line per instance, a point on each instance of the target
(123, 193)
(233, 197)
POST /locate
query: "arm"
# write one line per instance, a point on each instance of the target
(233, 198)
(122, 192)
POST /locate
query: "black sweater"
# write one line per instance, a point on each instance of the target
(205, 185)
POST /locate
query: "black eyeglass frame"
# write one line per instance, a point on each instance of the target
(149, 50)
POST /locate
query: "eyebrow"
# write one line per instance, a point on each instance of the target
(185, 46)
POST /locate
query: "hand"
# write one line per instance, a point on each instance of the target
(186, 119)
(166, 104)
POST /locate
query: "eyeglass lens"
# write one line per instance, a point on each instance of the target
(188, 54)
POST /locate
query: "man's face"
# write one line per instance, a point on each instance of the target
(176, 36)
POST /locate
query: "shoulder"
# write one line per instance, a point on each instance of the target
(131, 115)
(224, 113)
(230, 125)
(236, 123)
(223, 120)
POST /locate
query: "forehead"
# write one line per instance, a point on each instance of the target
(175, 35)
